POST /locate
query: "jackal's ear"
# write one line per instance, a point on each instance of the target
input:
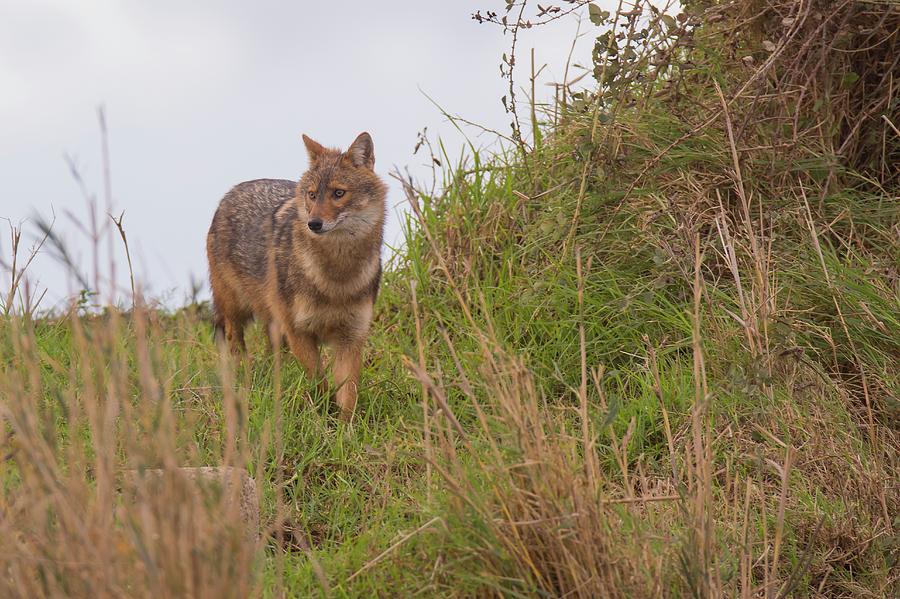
(313, 148)
(362, 151)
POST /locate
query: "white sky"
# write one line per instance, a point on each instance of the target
(203, 94)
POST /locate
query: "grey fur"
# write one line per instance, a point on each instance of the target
(243, 223)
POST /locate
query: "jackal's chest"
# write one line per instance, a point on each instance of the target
(339, 281)
(333, 322)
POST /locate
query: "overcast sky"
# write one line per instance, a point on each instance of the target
(203, 94)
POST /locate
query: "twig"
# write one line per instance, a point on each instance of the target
(429, 386)
(590, 460)
(627, 500)
(582, 190)
(888, 121)
(411, 196)
(426, 414)
(118, 223)
(16, 273)
(862, 372)
(511, 106)
(387, 551)
(782, 502)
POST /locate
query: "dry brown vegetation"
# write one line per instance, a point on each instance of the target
(752, 145)
(78, 517)
(654, 352)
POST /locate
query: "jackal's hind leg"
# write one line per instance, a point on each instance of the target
(234, 333)
(231, 316)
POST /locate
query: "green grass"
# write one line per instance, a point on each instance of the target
(784, 441)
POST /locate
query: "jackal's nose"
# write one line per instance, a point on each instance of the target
(315, 225)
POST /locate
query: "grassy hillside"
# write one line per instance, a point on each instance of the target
(651, 349)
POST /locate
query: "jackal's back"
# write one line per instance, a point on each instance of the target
(241, 229)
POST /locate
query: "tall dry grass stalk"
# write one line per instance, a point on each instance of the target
(706, 124)
(95, 499)
(79, 514)
(542, 513)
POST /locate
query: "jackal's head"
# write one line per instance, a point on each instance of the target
(340, 194)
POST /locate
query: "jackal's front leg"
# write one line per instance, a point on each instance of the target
(347, 364)
(306, 350)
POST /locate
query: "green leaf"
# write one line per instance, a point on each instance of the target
(849, 79)
(597, 16)
(669, 21)
(614, 405)
(603, 41)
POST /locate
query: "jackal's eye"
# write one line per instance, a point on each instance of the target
(339, 193)
(311, 195)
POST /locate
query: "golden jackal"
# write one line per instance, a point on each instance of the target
(304, 258)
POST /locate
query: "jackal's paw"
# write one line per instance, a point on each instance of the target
(322, 388)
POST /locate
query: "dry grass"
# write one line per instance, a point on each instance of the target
(73, 523)
(755, 150)
(657, 351)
